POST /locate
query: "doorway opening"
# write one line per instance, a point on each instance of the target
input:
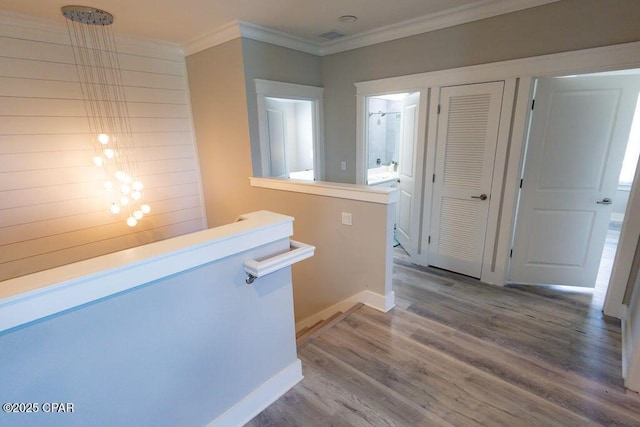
(625, 181)
(383, 127)
(555, 250)
(391, 141)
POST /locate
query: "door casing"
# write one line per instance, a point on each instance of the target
(518, 73)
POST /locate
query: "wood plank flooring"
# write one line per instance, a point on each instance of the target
(458, 352)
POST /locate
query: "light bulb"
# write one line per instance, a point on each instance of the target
(120, 175)
(114, 208)
(137, 185)
(125, 189)
(145, 209)
(124, 200)
(126, 179)
(103, 138)
(131, 221)
(136, 195)
(108, 185)
(138, 214)
(98, 161)
(109, 153)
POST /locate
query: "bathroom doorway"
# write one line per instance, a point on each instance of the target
(391, 135)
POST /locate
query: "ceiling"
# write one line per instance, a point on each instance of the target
(180, 21)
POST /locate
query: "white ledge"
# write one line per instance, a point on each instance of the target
(364, 193)
(261, 267)
(38, 295)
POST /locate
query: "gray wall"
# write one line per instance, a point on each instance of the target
(269, 62)
(557, 27)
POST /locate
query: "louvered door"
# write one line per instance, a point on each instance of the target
(465, 152)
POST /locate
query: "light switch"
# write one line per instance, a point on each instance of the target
(343, 165)
(346, 218)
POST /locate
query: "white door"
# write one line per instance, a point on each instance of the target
(276, 117)
(406, 220)
(465, 152)
(579, 132)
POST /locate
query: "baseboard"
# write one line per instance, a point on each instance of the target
(256, 401)
(382, 303)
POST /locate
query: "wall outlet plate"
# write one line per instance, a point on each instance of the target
(347, 219)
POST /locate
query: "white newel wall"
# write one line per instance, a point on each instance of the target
(167, 333)
(52, 208)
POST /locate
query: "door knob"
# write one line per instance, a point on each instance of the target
(605, 201)
(483, 197)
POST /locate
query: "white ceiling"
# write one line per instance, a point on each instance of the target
(181, 21)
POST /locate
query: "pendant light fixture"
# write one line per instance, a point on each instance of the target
(98, 65)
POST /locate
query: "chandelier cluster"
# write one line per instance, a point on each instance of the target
(105, 103)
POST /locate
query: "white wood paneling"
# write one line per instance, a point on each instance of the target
(53, 209)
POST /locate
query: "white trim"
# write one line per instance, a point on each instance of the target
(489, 260)
(32, 297)
(422, 257)
(615, 57)
(511, 190)
(630, 354)
(627, 340)
(362, 149)
(423, 24)
(382, 195)
(215, 37)
(435, 21)
(624, 258)
(382, 303)
(259, 399)
(361, 137)
(50, 31)
(608, 58)
(314, 94)
(287, 90)
(376, 301)
(298, 252)
(278, 38)
(237, 28)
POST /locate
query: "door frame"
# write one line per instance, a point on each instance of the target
(502, 219)
(362, 153)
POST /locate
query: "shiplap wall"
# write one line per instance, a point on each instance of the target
(53, 209)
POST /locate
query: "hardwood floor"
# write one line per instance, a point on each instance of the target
(458, 352)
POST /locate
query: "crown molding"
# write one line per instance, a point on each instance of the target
(431, 22)
(238, 28)
(56, 32)
(215, 37)
(279, 38)
(423, 24)
(50, 31)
